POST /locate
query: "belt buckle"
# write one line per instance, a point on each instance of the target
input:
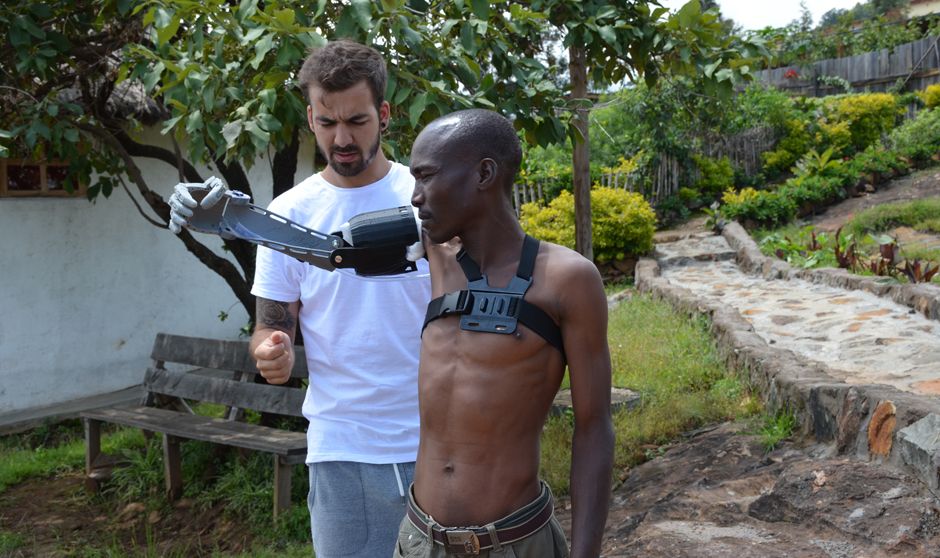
(464, 539)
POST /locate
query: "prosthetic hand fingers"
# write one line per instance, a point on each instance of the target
(177, 221)
(217, 192)
(414, 252)
(180, 203)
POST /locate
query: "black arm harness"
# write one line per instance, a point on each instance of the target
(488, 309)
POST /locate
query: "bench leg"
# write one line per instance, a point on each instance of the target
(282, 472)
(92, 451)
(172, 469)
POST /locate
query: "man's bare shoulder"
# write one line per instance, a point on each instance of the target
(561, 262)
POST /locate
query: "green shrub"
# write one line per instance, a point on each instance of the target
(763, 208)
(717, 175)
(795, 142)
(877, 160)
(812, 190)
(918, 138)
(930, 95)
(869, 116)
(623, 222)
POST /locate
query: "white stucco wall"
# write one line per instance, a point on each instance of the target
(84, 288)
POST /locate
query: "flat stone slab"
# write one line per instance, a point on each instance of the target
(696, 247)
(620, 398)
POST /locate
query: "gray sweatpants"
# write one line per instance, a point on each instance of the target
(356, 508)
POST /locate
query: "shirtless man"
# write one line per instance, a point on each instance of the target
(486, 383)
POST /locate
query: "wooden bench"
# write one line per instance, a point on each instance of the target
(214, 371)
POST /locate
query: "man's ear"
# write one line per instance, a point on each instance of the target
(310, 118)
(489, 170)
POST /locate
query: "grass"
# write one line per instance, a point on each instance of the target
(918, 214)
(673, 363)
(776, 428)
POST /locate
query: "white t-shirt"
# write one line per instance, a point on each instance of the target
(361, 336)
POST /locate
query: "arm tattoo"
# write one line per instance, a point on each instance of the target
(274, 314)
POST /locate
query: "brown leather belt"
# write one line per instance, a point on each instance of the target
(460, 540)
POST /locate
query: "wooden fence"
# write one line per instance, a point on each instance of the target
(914, 65)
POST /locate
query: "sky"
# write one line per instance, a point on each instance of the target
(756, 14)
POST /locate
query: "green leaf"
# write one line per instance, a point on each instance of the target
(262, 48)
(259, 137)
(285, 17)
(153, 76)
(363, 12)
(4, 152)
(27, 24)
(468, 38)
(448, 25)
(401, 95)
(194, 122)
(607, 33)
(246, 9)
(268, 97)
(252, 34)
(418, 5)
(269, 122)
(168, 125)
(481, 8)
(417, 108)
(710, 68)
(167, 28)
(231, 131)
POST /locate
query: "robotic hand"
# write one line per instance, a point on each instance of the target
(183, 203)
(376, 243)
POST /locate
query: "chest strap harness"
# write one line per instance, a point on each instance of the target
(493, 310)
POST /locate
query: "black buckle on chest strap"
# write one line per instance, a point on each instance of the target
(458, 302)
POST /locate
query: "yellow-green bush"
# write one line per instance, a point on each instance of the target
(716, 175)
(869, 116)
(623, 222)
(931, 95)
(836, 135)
(795, 142)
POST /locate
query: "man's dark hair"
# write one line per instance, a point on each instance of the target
(342, 64)
(488, 134)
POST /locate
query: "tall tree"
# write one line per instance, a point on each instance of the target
(610, 42)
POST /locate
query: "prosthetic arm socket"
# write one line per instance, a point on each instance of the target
(377, 242)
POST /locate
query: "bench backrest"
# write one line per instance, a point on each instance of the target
(238, 390)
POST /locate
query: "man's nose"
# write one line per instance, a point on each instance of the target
(343, 136)
(417, 197)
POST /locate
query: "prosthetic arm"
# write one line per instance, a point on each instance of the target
(383, 242)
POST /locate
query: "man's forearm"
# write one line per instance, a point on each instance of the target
(591, 464)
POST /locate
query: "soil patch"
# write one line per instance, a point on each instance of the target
(56, 517)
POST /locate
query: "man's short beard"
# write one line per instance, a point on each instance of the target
(353, 169)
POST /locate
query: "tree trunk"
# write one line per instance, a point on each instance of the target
(284, 166)
(577, 69)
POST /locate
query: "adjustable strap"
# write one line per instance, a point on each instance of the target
(486, 309)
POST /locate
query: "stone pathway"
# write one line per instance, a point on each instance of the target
(861, 337)
(856, 359)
